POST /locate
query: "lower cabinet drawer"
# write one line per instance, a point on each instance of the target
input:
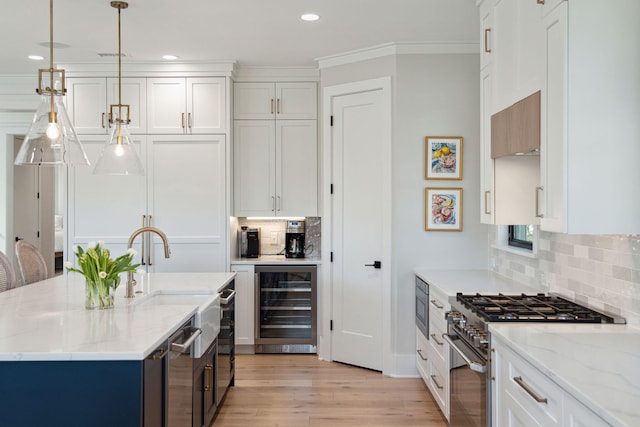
(536, 394)
(422, 355)
(439, 385)
(438, 344)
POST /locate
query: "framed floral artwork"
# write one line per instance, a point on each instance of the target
(443, 208)
(443, 157)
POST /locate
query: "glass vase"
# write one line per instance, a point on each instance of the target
(99, 294)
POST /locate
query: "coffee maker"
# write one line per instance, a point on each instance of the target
(249, 242)
(294, 240)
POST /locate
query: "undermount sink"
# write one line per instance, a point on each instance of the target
(207, 318)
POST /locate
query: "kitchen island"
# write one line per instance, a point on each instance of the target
(61, 364)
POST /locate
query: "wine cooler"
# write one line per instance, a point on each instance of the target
(285, 309)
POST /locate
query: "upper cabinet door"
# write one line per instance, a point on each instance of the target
(265, 101)
(134, 94)
(206, 105)
(254, 101)
(167, 105)
(296, 101)
(486, 36)
(87, 104)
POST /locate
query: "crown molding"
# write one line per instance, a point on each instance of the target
(151, 69)
(267, 74)
(401, 48)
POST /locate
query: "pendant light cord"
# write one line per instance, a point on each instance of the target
(52, 113)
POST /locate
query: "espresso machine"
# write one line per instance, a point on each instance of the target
(249, 242)
(294, 239)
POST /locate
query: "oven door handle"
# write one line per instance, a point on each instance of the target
(475, 366)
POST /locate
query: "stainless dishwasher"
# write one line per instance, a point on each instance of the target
(179, 386)
(285, 309)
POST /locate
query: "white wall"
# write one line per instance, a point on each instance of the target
(432, 95)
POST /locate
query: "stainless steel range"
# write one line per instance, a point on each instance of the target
(468, 335)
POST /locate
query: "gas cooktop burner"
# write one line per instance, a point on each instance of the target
(533, 308)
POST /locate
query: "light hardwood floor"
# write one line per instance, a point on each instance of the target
(300, 390)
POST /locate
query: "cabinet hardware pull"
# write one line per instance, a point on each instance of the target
(182, 120)
(486, 40)
(529, 390)
(278, 106)
(273, 204)
(271, 105)
(538, 214)
(103, 126)
(438, 306)
(435, 381)
(148, 236)
(208, 369)
(486, 203)
(540, 1)
(279, 204)
(420, 354)
(189, 123)
(185, 345)
(435, 338)
(160, 354)
(142, 261)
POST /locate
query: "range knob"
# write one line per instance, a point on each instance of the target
(454, 317)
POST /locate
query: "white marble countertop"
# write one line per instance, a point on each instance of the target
(48, 321)
(471, 281)
(276, 259)
(597, 364)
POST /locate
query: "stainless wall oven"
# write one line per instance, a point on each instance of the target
(422, 306)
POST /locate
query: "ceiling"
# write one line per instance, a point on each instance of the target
(251, 32)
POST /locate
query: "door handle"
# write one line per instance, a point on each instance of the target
(18, 238)
(376, 264)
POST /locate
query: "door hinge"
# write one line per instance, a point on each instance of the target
(331, 257)
(331, 325)
(331, 121)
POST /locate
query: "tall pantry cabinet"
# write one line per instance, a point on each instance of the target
(184, 189)
(275, 149)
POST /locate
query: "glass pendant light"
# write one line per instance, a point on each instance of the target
(119, 155)
(51, 139)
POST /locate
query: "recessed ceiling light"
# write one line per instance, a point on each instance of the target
(36, 57)
(169, 57)
(310, 17)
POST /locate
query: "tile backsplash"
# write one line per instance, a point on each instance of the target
(272, 235)
(600, 270)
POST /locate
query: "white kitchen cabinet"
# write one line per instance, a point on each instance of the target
(589, 146)
(245, 307)
(268, 100)
(192, 105)
(486, 27)
(487, 192)
(182, 194)
(275, 168)
(516, 49)
(432, 353)
(89, 98)
(524, 396)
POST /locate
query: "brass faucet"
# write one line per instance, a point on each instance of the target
(131, 282)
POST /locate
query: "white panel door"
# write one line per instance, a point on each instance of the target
(206, 105)
(245, 304)
(167, 105)
(358, 153)
(296, 168)
(254, 151)
(487, 195)
(86, 102)
(186, 200)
